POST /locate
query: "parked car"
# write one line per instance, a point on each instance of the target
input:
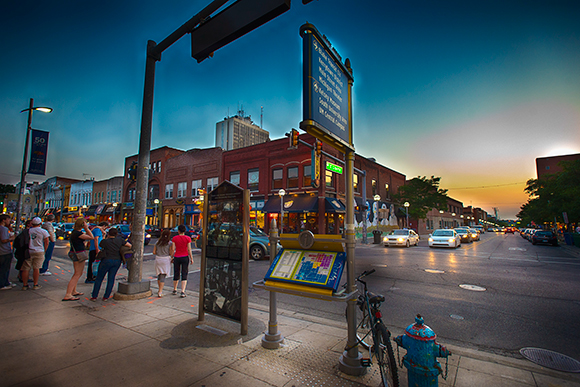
(464, 234)
(401, 238)
(64, 230)
(444, 238)
(125, 232)
(508, 230)
(259, 241)
(191, 232)
(546, 237)
(474, 234)
(481, 229)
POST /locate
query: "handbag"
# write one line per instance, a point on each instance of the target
(101, 255)
(80, 256)
(126, 253)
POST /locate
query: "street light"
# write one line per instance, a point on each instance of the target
(281, 193)
(23, 173)
(406, 205)
(453, 215)
(156, 201)
(441, 213)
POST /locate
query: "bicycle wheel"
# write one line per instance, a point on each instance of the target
(386, 357)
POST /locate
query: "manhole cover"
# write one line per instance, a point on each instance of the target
(474, 288)
(456, 316)
(435, 271)
(551, 359)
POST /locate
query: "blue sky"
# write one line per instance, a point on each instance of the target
(469, 91)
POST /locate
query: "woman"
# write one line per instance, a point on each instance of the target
(163, 250)
(78, 255)
(181, 258)
(110, 264)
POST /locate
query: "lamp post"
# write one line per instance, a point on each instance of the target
(281, 193)
(441, 214)
(377, 198)
(30, 109)
(406, 205)
(453, 215)
(115, 212)
(156, 201)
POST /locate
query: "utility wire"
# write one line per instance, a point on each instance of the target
(489, 186)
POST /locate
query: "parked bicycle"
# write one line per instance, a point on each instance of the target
(373, 335)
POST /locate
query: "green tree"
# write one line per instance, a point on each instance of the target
(7, 188)
(423, 194)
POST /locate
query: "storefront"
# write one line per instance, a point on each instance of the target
(193, 215)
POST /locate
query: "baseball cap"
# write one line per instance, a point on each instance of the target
(36, 220)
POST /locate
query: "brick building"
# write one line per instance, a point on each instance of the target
(549, 165)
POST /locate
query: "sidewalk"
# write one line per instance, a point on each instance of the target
(159, 342)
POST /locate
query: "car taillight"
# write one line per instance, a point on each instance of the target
(378, 314)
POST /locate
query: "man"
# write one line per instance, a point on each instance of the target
(98, 232)
(37, 246)
(5, 252)
(47, 225)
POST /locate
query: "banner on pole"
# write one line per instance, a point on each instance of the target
(38, 152)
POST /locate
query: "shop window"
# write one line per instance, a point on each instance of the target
(355, 182)
(293, 177)
(169, 191)
(181, 190)
(329, 179)
(235, 177)
(277, 178)
(307, 179)
(374, 187)
(253, 179)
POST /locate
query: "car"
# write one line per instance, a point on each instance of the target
(474, 234)
(64, 230)
(508, 230)
(125, 232)
(545, 237)
(444, 238)
(481, 229)
(259, 240)
(191, 232)
(464, 234)
(401, 238)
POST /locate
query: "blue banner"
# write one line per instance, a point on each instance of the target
(39, 148)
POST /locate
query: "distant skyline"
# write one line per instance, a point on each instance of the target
(472, 92)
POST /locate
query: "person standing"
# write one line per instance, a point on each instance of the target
(37, 246)
(163, 250)
(5, 252)
(98, 232)
(20, 246)
(47, 225)
(110, 264)
(78, 256)
(181, 258)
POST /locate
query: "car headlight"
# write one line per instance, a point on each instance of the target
(400, 239)
(148, 236)
(430, 239)
(451, 240)
(385, 239)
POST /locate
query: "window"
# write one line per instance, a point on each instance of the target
(132, 194)
(387, 192)
(355, 182)
(307, 179)
(159, 167)
(374, 186)
(329, 179)
(109, 196)
(293, 177)
(169, 191)
(182, 189)
(154, 191)
(277, 175)
(212, 182)
(235, 177)
(253, 179)
(195, 187)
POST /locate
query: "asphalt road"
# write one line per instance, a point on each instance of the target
(531, 295)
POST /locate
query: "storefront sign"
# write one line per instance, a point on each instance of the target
(333, 168)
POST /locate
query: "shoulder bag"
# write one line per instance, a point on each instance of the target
(80, 256)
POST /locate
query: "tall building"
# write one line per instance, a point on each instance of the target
(238, 132)
(550, 165)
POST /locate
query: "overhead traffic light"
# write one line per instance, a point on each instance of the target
(318, 147)
(132, 171)
(294, 139)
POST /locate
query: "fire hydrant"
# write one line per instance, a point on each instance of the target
(423, 369)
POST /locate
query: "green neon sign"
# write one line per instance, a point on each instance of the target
(333, 168)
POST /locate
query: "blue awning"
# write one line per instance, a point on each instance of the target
(334, 205)
(292, 203)
(192, 209)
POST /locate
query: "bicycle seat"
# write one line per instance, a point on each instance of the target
(376, 298)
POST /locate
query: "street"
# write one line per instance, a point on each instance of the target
(517, 294)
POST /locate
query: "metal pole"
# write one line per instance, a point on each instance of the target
(23, 173)
(364, 197)
(272, 339)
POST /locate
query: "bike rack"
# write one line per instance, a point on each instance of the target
(337, 296)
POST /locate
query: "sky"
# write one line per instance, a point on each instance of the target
(470, 91)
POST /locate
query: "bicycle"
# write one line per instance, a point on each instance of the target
(373, 335)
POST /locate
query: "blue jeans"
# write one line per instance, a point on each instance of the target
(47, 256)
(107, 267)
(5, 261)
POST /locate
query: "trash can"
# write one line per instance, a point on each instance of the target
(576, 239)
(568, 238)
(377, 236)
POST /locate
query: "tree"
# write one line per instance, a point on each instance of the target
(7, 188)
(423, 194)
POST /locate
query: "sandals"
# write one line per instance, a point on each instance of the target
(174, 292)
(71, 299)
(159, 294)
(77, 294)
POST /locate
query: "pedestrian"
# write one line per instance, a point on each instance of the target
(98, 232)
(181, 258)
(37, 246)
(78, 255)
(110, 263)
(5, 252)
(163, 250)
(47, 225)
(20, 246)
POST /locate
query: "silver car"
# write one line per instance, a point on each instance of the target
(404, 238)
(444, 238)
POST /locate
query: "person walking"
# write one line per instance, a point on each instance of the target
(110, 264)
(38, 244)
(98, 232)
(78, 255)
(20, 246)
(163, 250)
(5, 252)
(181, 258)
(47, 225)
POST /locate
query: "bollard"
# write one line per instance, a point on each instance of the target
(423, 369)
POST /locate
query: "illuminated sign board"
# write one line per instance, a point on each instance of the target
(333, 168)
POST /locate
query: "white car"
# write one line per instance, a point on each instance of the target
(401, 238)
(444, 238)
(474, 234)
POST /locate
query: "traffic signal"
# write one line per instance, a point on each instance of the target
(132, 171)
(318, 147)
(294, 138)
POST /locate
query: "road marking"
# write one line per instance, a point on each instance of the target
(474, 288)
(518, 248)
(435, 271)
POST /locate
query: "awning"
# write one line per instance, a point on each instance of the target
(292, 203)
(45, 212)
(192, 209)
(91, 210)
(100, 209)
(111, 209)
(334, 205)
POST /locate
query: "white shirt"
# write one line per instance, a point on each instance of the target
(37, 235)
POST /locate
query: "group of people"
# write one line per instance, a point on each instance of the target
(33, 249)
